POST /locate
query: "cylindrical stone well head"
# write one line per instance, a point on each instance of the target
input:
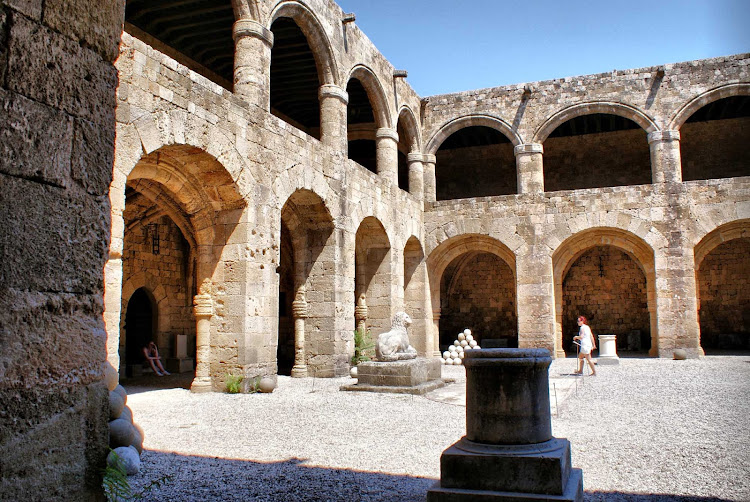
(507, 396)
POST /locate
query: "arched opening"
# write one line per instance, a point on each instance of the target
(723, 278)
(406, 144)
(714, 140)
(197, 34)
(140, 327)
(306, 343)
(415, 291)
(294, 78)
(475, 161)
(361, 126)
(608, 287)
(596, 150)
(373, 274)
(478, 291)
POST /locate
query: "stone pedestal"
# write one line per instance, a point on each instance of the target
(508, 452)
(607, 350)
(413, 376)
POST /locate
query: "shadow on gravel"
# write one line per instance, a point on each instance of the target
(640, 497)
(205, 479)
(149, 382)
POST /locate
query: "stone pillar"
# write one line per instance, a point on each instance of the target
(436, 332)
(508, 452)
(203, 309)
(666, 166)
(607, 350)
(416, 174)
(333, 132)
(360, 314)
(529, 168)
(536, 301)
(252, 62)
(386, 141)
(430, 184)
(299, 313)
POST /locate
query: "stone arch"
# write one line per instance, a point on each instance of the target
(721, 286)
(316, 36)
(468, 121)
(307, 240)
(155, 290)
(413, 137)
(458, 251)
(568, 252)
(246, 9)
(704, 98)
(606, 107)
(375, 92)
(374, 274)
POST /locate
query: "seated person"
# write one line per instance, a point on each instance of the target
(152, 355)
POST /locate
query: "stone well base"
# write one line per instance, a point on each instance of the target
(413, 376)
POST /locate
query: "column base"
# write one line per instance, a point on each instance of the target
(560, 354)
(201, 384)
(573, 493)
(299, 371)
(607, 360)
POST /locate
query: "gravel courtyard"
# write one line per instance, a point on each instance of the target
(646, 430)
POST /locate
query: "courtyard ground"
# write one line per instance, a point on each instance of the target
(646, 430)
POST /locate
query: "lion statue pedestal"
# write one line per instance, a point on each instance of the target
(398, 369)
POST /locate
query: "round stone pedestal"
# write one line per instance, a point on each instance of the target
(607, 350)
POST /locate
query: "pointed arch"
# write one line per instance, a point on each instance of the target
(605, 107)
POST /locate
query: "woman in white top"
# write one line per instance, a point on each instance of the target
(586, 341)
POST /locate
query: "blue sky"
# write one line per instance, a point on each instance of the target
(452, 45)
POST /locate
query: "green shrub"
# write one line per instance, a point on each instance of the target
(234, 384)
(362, 344)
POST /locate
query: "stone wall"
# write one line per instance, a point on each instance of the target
(478, 292)
(724, 284)
(607, 287)
(57, 91)
(476, 171)
(715, 149)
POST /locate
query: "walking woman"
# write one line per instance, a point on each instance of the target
(586, 341)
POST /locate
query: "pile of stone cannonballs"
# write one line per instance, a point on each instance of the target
(464, 342)
(125, 436)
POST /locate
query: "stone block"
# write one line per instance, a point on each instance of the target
(50, 68)
(98, 28)
(35, 140)
(93, 155)
(414, 376)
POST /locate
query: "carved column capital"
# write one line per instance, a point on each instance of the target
(251, 28)
(203, 306)
(414, 157)
(386, 133)
(429, 158)
(526, 148)
(300, 309)
(333, 91)
(666, 135)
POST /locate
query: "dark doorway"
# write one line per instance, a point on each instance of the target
(139, 330)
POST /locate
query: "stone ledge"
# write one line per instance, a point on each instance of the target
(419, 390)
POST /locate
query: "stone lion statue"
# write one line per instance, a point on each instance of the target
(394, 345)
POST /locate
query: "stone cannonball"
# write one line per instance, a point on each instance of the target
(116, 405)
(127, 457)
(139, 429)
(469, 338)
(456, 343)
(473, 344)
(111, 377)
(452, 349)
(462, 355)
(680, 354)
(459, 349)
(267, 384)
(461, 337)
(127, 414)
(467, 332)
(137, 441)
(464, 343)
(121, 433)
(123, 393)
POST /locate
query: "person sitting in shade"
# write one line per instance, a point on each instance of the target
(152, 355)
(585, 339)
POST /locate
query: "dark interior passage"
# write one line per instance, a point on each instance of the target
(139, 328)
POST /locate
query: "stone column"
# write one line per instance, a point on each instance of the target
(203, 309)
(386, 141)
(508, 452)
(536, 301)
(252, 62)
(436, 332)
(333, 132)
(299, 313)
(529, 168)
(430, 184)
(360, 314)
(416, 174)
(666, 166)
